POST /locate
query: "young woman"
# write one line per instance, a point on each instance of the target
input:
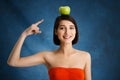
(65, 63)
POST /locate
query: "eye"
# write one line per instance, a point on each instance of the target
(61, 28)
(72, 27)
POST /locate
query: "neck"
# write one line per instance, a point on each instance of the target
(66, 49)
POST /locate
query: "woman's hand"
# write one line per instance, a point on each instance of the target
(33, 29)
(15, 59)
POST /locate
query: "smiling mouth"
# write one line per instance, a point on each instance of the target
(67, 37)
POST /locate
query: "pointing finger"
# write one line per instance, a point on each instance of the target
(39, 22)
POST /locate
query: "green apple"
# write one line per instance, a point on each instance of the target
(64, 10)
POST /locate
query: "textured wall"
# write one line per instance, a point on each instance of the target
(98, 21)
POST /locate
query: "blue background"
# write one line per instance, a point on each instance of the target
(99, 30)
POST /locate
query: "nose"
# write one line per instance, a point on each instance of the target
(66, 31)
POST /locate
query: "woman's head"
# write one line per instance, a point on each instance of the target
(58, 23)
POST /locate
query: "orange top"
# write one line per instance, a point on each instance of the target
(61, 73)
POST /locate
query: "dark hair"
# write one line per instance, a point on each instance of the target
(56, 24)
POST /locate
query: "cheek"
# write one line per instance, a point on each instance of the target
(74, 32)
(60, 32)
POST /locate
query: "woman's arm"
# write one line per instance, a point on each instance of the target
(15, 59)
(88, 67)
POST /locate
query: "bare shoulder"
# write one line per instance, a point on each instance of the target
(46, 53)
(84, 54)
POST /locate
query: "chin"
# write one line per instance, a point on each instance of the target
(67, 42)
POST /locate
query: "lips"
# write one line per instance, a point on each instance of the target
(66, 37)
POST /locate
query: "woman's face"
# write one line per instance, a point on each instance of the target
(66, 31)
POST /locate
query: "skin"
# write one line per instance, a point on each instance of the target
(66, 56)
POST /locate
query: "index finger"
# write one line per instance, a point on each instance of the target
(37, 23)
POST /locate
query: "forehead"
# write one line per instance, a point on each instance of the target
(66, 22)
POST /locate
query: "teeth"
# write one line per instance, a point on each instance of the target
(66, 37)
